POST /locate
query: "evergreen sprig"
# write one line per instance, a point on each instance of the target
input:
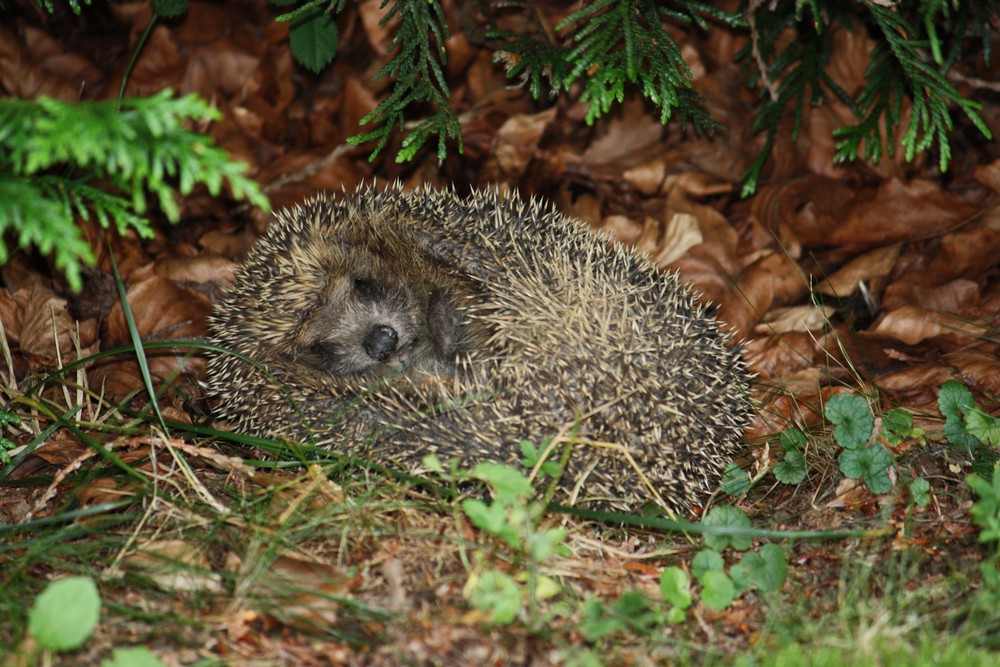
(418, 78)
(800, 76)
(51, 152)
(898, 71)
(616, 43)
(916, 46)
(49, 7)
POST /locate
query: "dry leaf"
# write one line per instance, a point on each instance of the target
(647, 177)
(797, 318)
(175, 565)
(304, 594)
(516, 142)
(864, 268)
(162, 311)
(954, 297)
(782, 356)
(900, 211)
(913, 324)
(681, 234)
(204, 268)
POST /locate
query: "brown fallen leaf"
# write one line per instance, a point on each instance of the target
(174, 565)
(303, 593)
(913, 324)
(803, 211)
(647, 177)
(203, 268)
(979, 368)
(37, 321)
(967, 253)
(797, 318)
(772, 279)
(956, 296)
(781, 356)
(875, 264)
(516, 142)
(162, 311)
(915, 386)
(900, 211)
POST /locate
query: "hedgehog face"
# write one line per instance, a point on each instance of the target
(373, 320)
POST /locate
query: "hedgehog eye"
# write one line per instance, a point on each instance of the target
(322, 350)
(366, 290)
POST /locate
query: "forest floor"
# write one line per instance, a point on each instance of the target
(877, 280)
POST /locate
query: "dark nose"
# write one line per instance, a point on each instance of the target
(380, 342)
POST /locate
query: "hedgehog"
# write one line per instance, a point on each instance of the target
(394, 324)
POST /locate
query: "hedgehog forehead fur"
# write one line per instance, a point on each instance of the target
(405, 323)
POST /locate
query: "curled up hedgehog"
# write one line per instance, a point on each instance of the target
(396, 324)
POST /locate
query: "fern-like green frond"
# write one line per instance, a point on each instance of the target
(799, 74)
(137, 146)
(418, 78)
(614, 44)
(899, 71)
(619, 42)
(916, 44)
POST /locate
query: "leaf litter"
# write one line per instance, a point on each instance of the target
(904, 258)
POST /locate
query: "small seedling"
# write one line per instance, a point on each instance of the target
(966, 426)
(66, 614)
(7, 419)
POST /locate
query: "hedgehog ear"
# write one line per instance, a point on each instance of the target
(444, 322)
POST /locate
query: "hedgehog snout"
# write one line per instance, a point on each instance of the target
(380, 342)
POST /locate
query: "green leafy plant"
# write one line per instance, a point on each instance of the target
(66, 614)
(865, 456)
(134, 146)
(792, 469)
(735, 480)
(764, 570)
(7, 419)
(607, 46)
(47, 5)
(898, 73)
(614, 43)
(986, 510)
(312, 33)
(966, 425)
(416, 68)
(512, 517)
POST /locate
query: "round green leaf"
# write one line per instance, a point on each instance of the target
(897, 421)
(499, 594)
(676, 587)
(920, 491)
(717, 591)
(704, 561)
(853, 420)
(792, 438)
(313, 38)
(735, 480)
(954, 399)
(507, 482)
(729, 517)
(66, 613)
(765, 570)
(793, 469)
(139, 656)
(871, 465)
